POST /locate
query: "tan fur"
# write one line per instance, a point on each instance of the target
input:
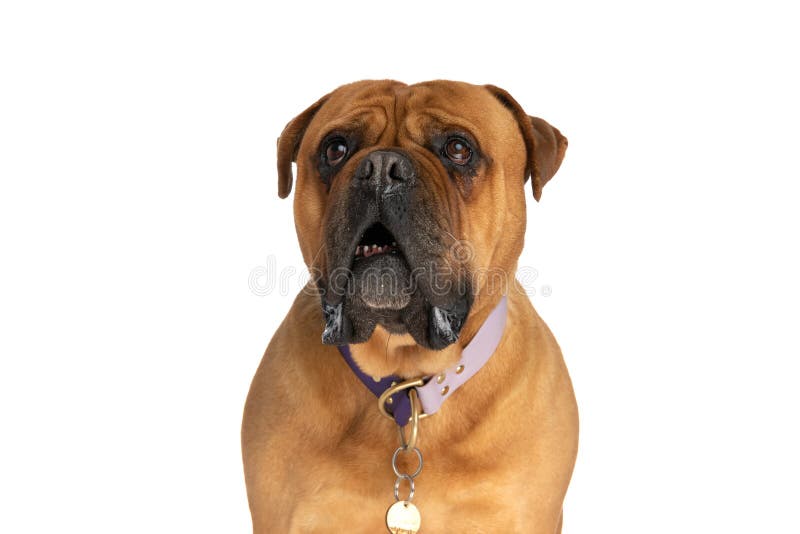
(499, 454)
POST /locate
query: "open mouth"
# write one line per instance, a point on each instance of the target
(380, 274)
(381, 288)
(376, 240)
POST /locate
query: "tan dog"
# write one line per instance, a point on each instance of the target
(433, 175)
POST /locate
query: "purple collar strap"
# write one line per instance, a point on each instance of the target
(439, 387)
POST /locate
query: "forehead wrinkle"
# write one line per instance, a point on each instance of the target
(436, 116)
(401, 97)
(360, 118)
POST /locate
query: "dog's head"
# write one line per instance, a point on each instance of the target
(407, 197)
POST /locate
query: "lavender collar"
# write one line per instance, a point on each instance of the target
(439, 387)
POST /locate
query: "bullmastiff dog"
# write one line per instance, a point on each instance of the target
(409, 208)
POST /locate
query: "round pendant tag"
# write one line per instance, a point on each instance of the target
(403, 518)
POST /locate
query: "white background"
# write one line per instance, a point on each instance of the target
(137, 156)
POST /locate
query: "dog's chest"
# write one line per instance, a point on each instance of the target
(458, 502)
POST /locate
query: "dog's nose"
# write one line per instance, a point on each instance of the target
(385, 168)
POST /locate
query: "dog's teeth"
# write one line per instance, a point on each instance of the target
(374, 247)
(394, 243)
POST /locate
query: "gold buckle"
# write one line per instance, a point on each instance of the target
(416, 411)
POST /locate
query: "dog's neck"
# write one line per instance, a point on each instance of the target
(398, 354)
(433, 391)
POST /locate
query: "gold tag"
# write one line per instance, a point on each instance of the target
(403, 518)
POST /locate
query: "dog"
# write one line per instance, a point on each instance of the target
(410, 211)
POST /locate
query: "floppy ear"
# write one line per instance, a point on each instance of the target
(545, 144)
(289, 143)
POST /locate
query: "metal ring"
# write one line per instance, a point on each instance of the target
(414, 422)
(394, 462)
(416, 382)
(397, 487)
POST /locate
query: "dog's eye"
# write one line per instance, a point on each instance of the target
(458, 151)
(335, 151)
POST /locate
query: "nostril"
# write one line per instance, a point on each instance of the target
(383, 166)
(393, 171)
(399, 170)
